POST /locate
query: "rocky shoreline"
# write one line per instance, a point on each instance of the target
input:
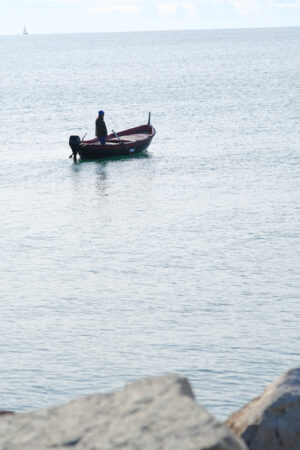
(159, 413)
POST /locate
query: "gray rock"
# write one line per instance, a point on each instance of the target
(272, 421)
(157, 413)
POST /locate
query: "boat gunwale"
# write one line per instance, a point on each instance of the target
(93, 143)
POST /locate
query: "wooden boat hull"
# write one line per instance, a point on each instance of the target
(130, 142)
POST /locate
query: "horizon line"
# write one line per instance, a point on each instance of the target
(154, 31)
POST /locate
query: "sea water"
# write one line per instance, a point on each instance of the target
(183, 260)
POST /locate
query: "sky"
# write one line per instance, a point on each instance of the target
(68, 16)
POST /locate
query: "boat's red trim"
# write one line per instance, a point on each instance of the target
(111, 139)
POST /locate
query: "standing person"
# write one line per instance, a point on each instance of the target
(101, 130)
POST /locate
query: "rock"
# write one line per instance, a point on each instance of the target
(272, 421)
(157, 413)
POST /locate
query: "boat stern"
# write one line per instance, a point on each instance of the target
(74, 143)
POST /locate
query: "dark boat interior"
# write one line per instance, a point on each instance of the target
(132, 135)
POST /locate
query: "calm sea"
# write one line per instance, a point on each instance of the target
(183, 260)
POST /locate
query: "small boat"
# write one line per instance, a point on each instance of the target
(25, 30)
(124, 143)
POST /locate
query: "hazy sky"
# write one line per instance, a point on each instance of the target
(63, 16)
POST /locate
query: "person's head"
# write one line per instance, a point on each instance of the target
(101, 113)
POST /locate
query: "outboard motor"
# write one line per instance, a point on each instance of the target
(74, 142)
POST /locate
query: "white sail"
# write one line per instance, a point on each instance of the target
(25, 30)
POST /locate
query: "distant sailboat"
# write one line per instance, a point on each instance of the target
(25, 30)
